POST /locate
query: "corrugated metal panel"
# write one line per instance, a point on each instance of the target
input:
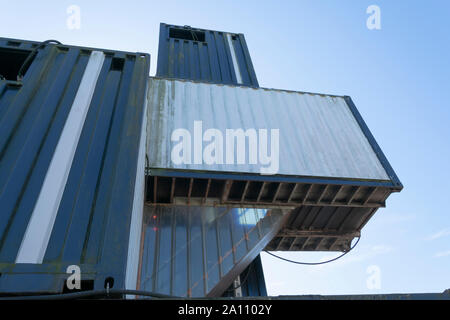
(251, 282)
(319, 135)
(331, 168)
(137, 217)
(93, 213)
(204, 55)
(199, 251)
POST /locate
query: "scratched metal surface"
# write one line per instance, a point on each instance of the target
(319, 136)
(91, 228)
(199, 251)
(205, 57)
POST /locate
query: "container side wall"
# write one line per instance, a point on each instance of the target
(93, 216)
(192, 251)
(318, 134)
(204, 55)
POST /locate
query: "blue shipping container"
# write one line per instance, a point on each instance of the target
(70, 136)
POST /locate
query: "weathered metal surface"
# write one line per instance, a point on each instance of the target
(331, 168)
(199, 251)
(251, 282)
(321, 228)
(204, 55)
(91, 224)
(318, 134)
(178, 187)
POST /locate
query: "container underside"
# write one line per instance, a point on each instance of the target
(324, 215)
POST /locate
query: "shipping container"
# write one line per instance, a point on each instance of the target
(330, 170)
(321, 138)
(89, 176)
(72, 158)
(204, 55)
(210, 56)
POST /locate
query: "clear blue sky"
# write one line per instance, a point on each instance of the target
(398, 78)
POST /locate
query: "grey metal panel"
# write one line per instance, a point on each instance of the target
(319, 136)
(198, 251)
(204, 55)
(92, 223)
(138, 209)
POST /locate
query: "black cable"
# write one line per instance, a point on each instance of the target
(107, 293)
(314, 263)
(31, 56)
(87, 294)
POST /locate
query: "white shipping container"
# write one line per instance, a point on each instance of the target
(318, 134)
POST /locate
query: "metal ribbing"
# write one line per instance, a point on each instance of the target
(39, 228)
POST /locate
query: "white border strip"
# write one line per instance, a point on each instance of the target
(134, 242)
(233, 57)
(35, 241)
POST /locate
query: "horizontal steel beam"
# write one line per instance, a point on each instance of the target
(317, 233)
